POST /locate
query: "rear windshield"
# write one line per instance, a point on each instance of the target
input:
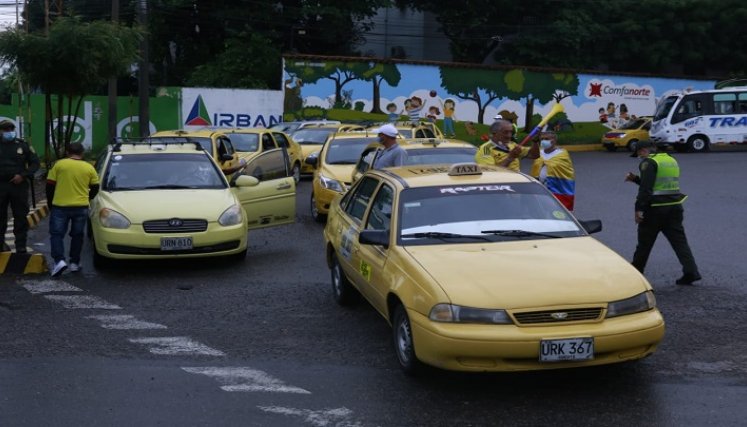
(312, 136)
(347, 151)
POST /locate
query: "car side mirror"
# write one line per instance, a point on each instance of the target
(246, 181)
(592, 226)
(374, 237)
(226, 157)
(311, 160)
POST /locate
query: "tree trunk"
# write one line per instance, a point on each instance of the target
(338, 94)
(529, 114)
(376, 96)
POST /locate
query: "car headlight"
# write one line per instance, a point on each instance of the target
(641, 302)
(231, 216)
(450, 313)
(110, 218)
(331, 184)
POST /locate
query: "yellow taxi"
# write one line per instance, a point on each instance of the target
(420, 151)
(312, 137)
(249, 142)
(478, 268)
(170, 200)
(333, 168)
(412, 130)
(213, 141)
(627, 135)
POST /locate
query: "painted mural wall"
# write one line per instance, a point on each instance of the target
(449, 94)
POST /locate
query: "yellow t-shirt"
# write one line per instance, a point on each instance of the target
(490, 154)
(72, 180)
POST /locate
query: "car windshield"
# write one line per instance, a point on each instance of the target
(287, 127)
(424, 156)
(245, 142)
(347, 151)
(474, 213)
(405, 133)
(633, 124)
(170, 171)
(663, 109)
(204, 142)
(312, 136)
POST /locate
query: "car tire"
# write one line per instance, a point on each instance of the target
(296, 172)
(404, 346)
(698, 143)
(342, 290)
(631, 145)
(318, 217)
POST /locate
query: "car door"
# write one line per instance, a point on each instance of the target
(227, 157)
(366, 161)
(348, 227)
(294, 150)
(267, 142)
(273, 200)
(371, 259)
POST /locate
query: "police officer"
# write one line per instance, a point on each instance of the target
(18, 163)
(658, 208)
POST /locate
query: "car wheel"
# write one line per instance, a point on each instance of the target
(698, 143)
(631, 145)
(404, 345)
(342, 290)
(296, 172)
(318, 217)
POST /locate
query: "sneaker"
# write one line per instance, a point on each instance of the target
(74, 267)
(59, 268)
(688, 279)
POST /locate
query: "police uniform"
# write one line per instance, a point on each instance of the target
(16, 158)
(660, 200)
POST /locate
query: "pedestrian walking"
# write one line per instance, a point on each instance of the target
(18, 163)
(658, 208)
(71, 183)
(554, 169)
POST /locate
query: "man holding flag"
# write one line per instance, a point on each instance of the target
(554, 169)
(501, 151)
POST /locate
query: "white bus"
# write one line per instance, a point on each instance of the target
(696, 120)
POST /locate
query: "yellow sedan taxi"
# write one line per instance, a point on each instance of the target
(478, 268)
(170, 200)
(249, 142)
(627, 135)
(312, 138)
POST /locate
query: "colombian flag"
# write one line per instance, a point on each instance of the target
(561, 178)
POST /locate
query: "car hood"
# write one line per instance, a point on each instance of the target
(139, 206)
(342, 173)
(529, 273)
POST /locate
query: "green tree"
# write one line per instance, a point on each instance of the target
(73, 60)
(377, 73)
(472, 84)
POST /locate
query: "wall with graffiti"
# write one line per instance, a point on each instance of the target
(459, 97)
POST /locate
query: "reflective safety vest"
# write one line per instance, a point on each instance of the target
(667, 179)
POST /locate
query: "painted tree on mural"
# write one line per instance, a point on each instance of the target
(535, 86)
(341, 73)
(467, 83)
(378, 73)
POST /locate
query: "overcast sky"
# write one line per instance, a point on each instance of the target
(8, 12)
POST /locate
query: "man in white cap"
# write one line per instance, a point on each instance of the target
(393, 154)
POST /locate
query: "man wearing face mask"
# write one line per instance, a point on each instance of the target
(554, 168)
(18, 163)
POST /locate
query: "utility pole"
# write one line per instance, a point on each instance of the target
(113, 85)
(143, 68)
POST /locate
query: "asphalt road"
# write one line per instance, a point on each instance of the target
(262, 343)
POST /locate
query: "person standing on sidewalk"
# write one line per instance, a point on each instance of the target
(658, 208)
(18, 163)
(71, 183)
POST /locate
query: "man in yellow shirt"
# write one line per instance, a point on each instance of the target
(71, 183)
(501, 151)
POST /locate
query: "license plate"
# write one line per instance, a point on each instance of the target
(567, 349)
(176, 243)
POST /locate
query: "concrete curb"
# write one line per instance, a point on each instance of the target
(583, 147)
(34, 217)
(13, 263)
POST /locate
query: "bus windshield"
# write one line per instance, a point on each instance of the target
(663, 109)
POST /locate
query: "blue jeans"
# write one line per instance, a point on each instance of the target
(59, 217)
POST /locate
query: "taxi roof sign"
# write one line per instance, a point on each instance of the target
(459, 169)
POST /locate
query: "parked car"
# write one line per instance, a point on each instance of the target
(627, 135)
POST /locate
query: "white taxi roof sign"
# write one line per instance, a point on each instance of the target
(459, 169)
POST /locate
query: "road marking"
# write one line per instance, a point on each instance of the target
(82, 301)
(246, 379)
(328, 417)
(171, 346)
(125, 321)
(49, 285)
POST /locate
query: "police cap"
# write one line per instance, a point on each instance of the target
(7, 124)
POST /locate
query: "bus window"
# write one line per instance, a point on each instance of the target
(724, 103)
(690, 106)
(742, 103)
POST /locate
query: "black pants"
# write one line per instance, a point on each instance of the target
(17, 196)
(668, 220)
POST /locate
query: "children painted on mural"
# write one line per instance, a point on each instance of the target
(448, 106)
(414, 109)
(433, 113)
(392, 115)
(602, 115)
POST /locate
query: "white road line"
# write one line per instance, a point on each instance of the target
(124, 321)
(246, 379)
(171, 346)
(328, 417)
(82, 301)
(49, 285)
